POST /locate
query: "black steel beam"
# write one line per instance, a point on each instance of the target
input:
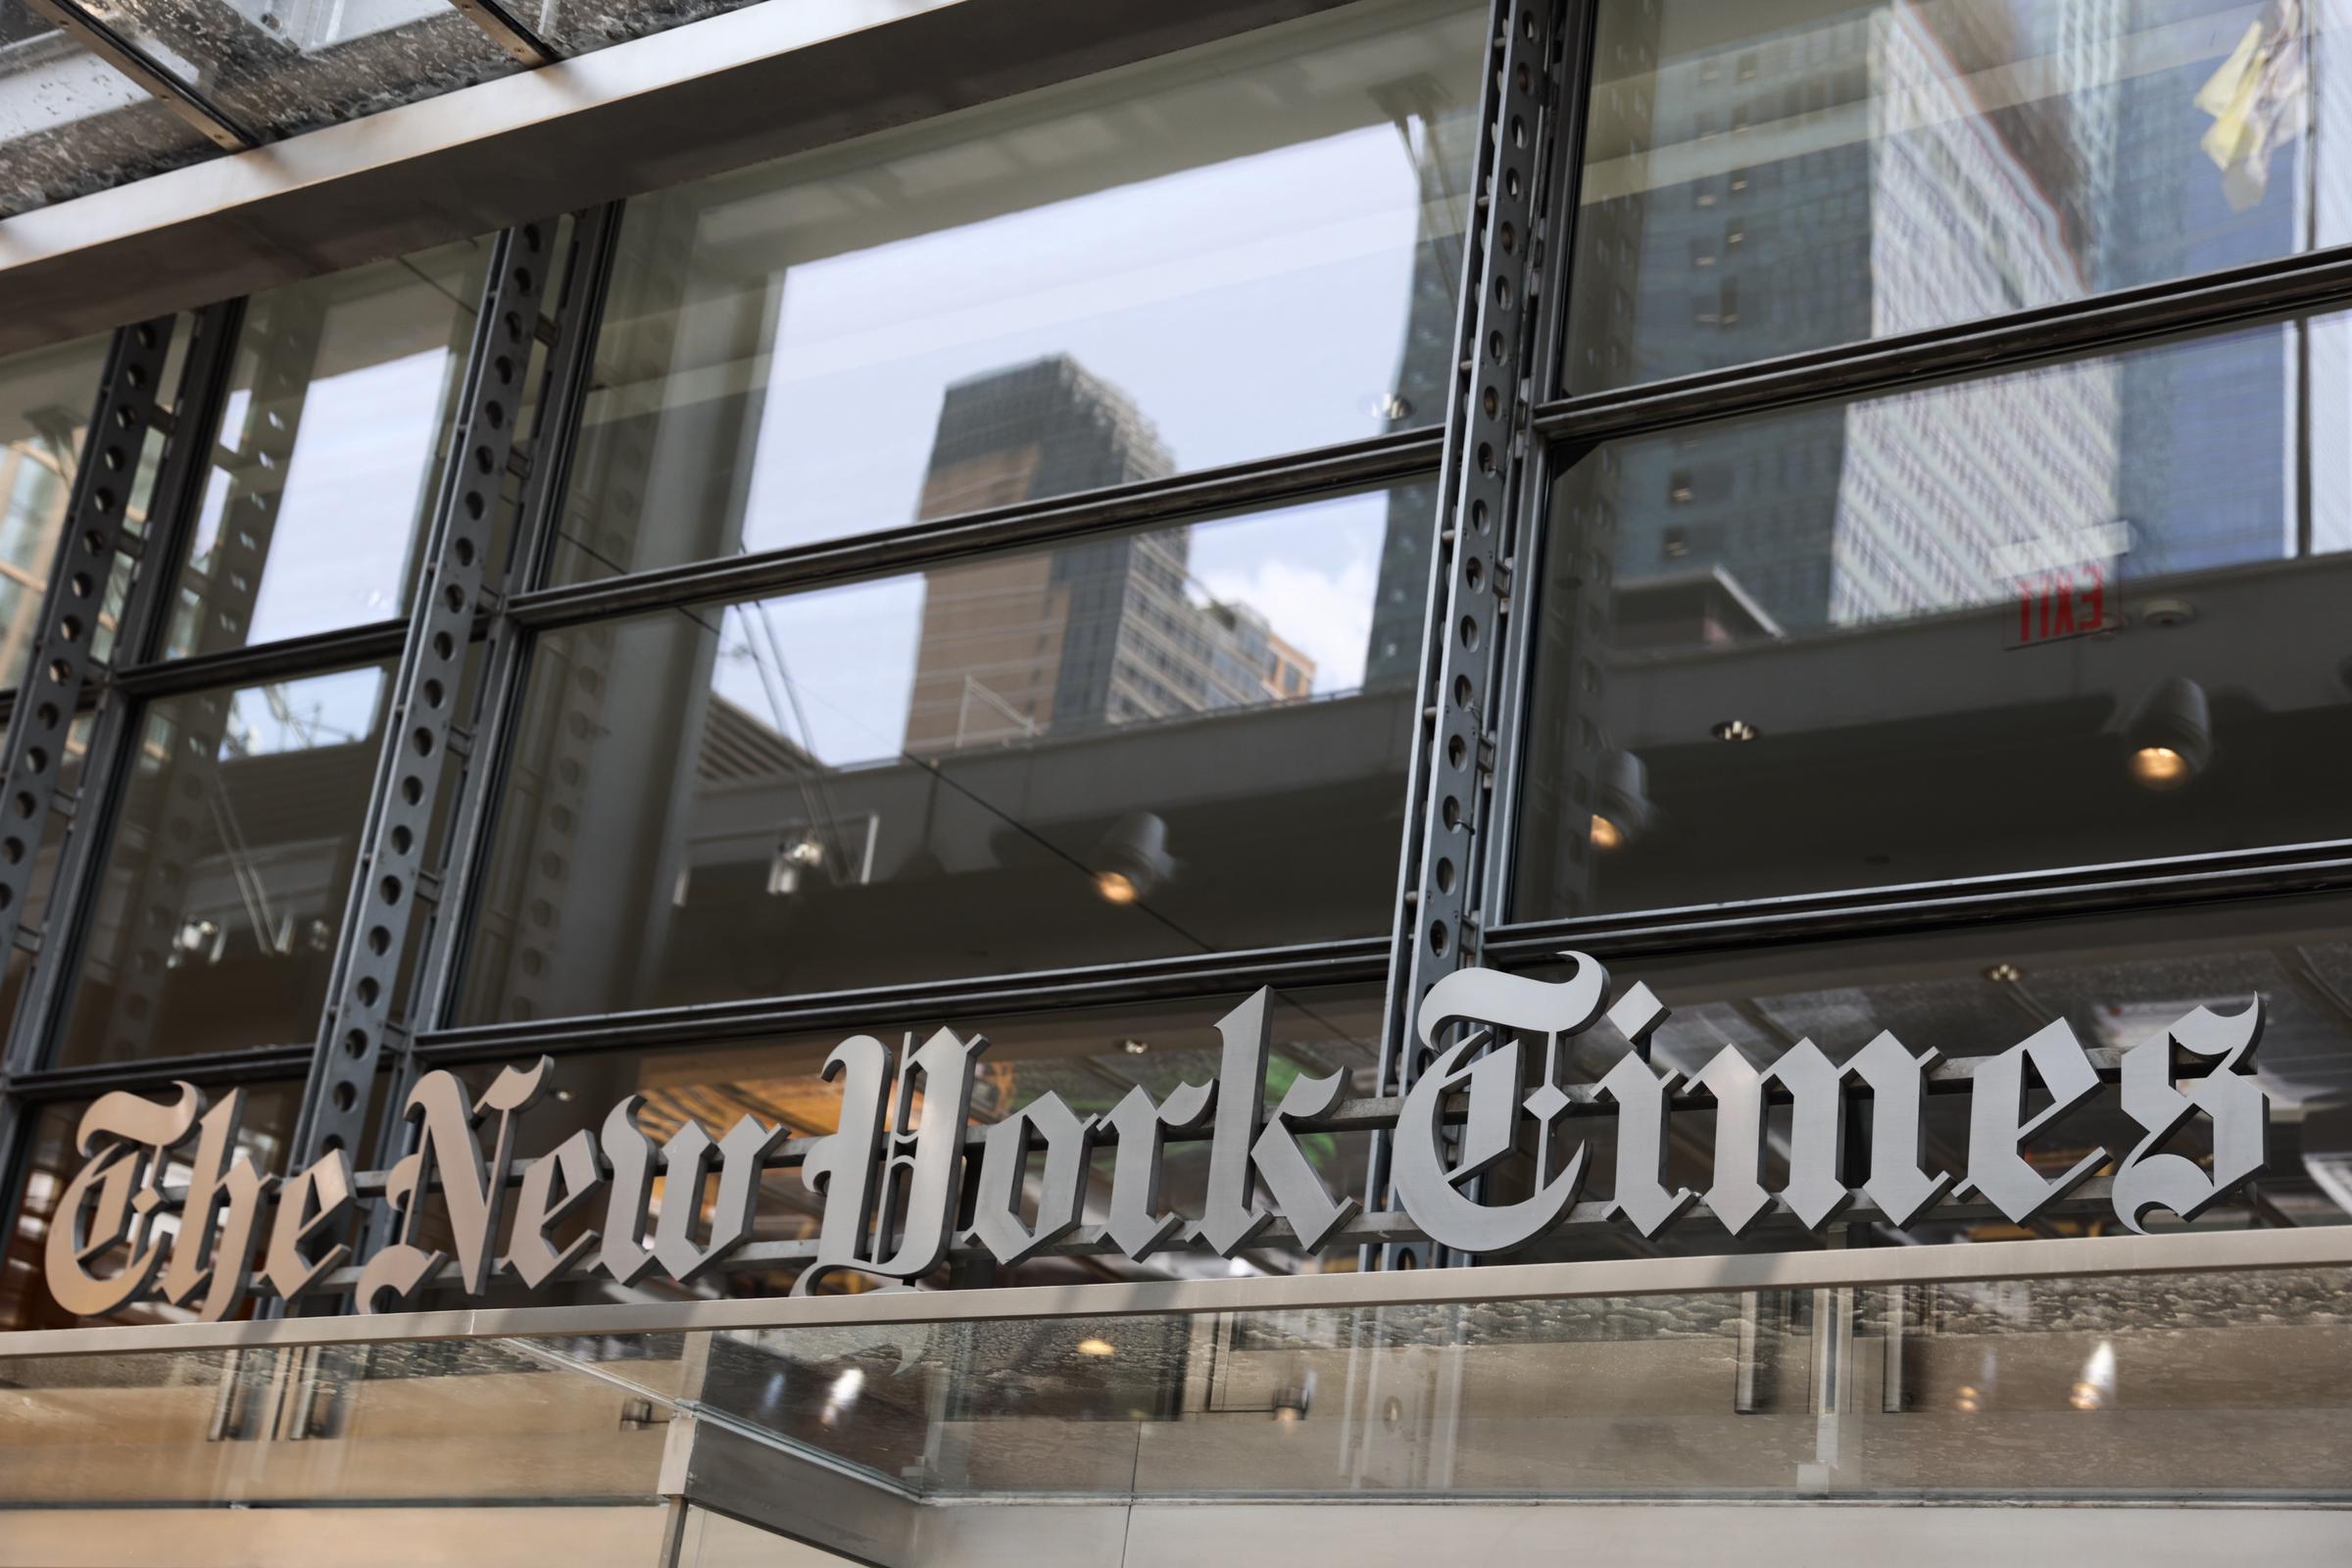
(359, 1032)
(376, 642)
(1183, 498)
(2286, 286)
(1354, 961)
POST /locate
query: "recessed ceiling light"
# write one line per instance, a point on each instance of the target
(1736, 729)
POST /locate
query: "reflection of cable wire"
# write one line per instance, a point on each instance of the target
(815, 798)
(1075, 863)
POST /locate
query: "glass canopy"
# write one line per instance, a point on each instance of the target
(97, 93)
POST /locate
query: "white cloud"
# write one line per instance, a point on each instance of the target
(1325, 614)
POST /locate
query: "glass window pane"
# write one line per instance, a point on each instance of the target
(1123, 747)
(1231, 253)
(2082, 614)
(330, 445)
(267, 1128)
(70, 124)
(225, 882)
(1090, 1056)
(45, 400)
(2117, 981)
(1761, 181)
(278, 70)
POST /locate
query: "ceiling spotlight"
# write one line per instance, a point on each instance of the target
(2169, 739)
(1293, 1400)
(1095, 1347)
(1133, 858)
(1736, 729)
(1625, 812)
(1134, 1048)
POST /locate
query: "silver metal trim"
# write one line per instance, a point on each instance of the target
(2181, 1252)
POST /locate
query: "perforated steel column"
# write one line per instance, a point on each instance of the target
(380, 919)
(509, 654)
(63, 659)
(1439, 906)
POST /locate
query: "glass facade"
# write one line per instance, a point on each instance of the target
(330, 445)
(1055, 297)
(1835, 511)
(1985, 603)
(1030, 760)
(1763, 182)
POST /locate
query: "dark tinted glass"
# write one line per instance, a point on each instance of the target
(330, 449)
(223, 890)
(1122, 746)
(268, 1126)
(1225, 255)
(2081, 614)
(1764, 179)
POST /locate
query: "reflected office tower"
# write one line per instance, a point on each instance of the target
(1866, 172)
(1103, 630)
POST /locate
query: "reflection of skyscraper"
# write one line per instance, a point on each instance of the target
(1877, 168)
(1103, 630)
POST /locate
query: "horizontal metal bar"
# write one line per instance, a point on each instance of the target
(1355, 959)
(376, 642)
(1291, 477)
(1364, 1229)
(183, 98)
(209, 1067)
(502, 28)
(1956, 1263)
(757, 83)
(1920, 908)
(2284, 286)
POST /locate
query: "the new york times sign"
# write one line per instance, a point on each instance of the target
(893, 1181)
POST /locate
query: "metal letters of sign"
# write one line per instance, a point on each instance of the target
(168, 1205)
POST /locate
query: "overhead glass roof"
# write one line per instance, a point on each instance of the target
(70, 124)
(97, 93)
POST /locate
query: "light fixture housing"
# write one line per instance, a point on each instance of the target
(1132, 859)
(1623, 815)
(2168, 741)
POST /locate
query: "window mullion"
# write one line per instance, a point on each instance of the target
(1487, 445)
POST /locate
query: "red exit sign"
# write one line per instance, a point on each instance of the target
(2066, 602)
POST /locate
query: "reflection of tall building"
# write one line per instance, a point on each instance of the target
(1877, 168)
(1874, 171)
(1103, 630)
